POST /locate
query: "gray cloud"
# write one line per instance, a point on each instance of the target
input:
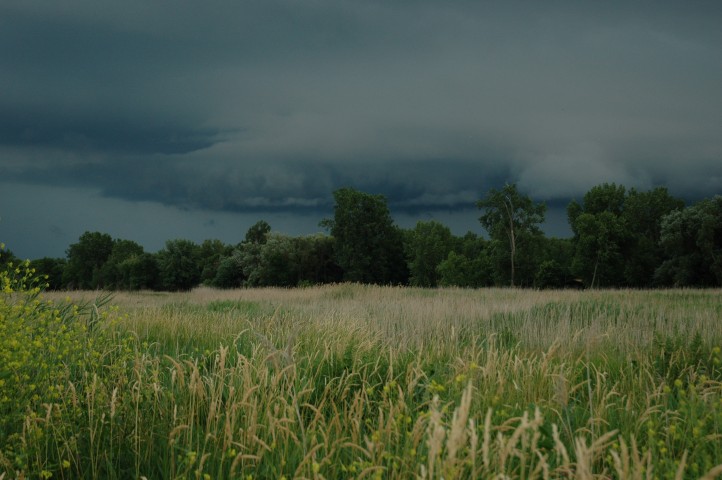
(269, 105)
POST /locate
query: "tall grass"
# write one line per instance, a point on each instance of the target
(353, 381)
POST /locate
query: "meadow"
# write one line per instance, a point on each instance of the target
(356, 381)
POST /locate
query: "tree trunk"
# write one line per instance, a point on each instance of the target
(512, 236)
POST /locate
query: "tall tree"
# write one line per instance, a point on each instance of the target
(643, 213)
(428, 245)
(512, 221)
(554, 270)
(230, 271)
(368, 246)
(86, 259)
(316, 264)
(258, 232)
(178, 265)
(692, 240)
(210, 255)
(115, 272)
(601, 236)
(248, 254)
(141, 272)
(278, 264)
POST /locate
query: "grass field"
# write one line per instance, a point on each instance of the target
(352, 381)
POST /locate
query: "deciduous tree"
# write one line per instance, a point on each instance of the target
(86, 259)
(692, 240)
(600, 235)
(178, 265)
(368, 246)
(428, 245)
(643, 213)
(512, 221)
(115, 272)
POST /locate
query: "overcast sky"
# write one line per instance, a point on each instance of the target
(186, 119)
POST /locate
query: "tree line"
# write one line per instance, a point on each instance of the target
(621, 238)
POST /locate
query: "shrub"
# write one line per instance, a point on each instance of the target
(46, 350)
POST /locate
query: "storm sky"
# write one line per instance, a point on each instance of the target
(185, 119)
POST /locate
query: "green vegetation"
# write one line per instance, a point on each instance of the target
(354, 381)
(512, 221)
(622, 238)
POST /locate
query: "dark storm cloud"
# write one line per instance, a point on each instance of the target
(78, 131)
(271, 105)
(279, 186)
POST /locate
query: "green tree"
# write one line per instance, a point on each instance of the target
(278, 265)
(210, 255)
(315, 258)
(512, 221)
(115, 272)
(554, 270)
(141, 272)
(601, 236)
(179, 265)
(428, 245)
(692, 241)
(599, 253)
(459, 270)
(368, 246)
(643, 213)
(550, 275)
(230, 271)
(258, 232)
(248, 255)
(250, 262)
(86, 259)
(53, 268)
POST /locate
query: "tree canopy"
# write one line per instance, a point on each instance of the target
(512, 221)
(368, 246)
(621, 238)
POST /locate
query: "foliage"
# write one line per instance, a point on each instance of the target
(368, 247)
(115, 272)
(86, 259)
(692, 240)
(7, 256)
(617, 234)
(258, 232)
(643, 214)
(210, 255)
(512, 221)
(278, 264)
(288, 261)
(315, 259)
(622, 238)
(550, 275)
(601, 235)
(555, 270)
(458, 270)
(53, 268)
(230, 271)
(429, 244)
(141, 272)
(179, 265)
(49, 352)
